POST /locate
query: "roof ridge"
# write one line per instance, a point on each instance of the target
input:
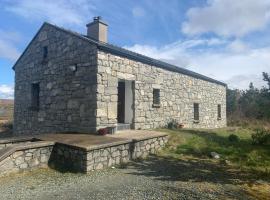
(111, 48)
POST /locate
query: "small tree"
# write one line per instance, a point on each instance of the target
(267, 79)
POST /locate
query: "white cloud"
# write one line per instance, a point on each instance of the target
(228, 17)
(61, 12)
(6, 92)
(219, 63)
(177, 52)
(8, 49)
(243, 81)
(238, 46)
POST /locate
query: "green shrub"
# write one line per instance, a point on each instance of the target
(261, 136)
(233, 138)
(173, 124)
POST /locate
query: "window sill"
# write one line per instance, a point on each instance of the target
(156, 105)
(196, 121)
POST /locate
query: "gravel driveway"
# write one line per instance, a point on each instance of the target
(154, 178)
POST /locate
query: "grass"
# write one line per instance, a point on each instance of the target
(240, 153)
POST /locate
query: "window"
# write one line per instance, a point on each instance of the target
(156, 97)
(196, 112)
(35, 96)
(45, 53)
(219, 112)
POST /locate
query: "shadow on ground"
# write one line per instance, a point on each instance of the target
(171, 169)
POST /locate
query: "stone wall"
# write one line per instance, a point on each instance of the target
(4, 143)
(26, 159)
(178, 93)
(67, 79)
(85, 160)
(65, 157)
(78, 89)
(41, 154)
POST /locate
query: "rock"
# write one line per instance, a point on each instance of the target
(49, 85)
(17, 154)
(72, 104)
(225, 162)
(215, 155)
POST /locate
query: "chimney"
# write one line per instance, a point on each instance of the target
(97, 29)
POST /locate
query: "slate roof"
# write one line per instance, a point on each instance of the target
(129, 54)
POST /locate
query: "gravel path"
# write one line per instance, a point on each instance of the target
(155, 178)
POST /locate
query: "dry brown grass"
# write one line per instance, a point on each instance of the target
(258, 191)
(248, 123)
(6, 109)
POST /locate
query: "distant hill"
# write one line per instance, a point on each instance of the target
(6, 101)
(6, 109)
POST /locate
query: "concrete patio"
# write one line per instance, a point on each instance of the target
(78, 152)
(91, 141)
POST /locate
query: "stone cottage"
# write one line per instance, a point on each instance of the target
(68, 82)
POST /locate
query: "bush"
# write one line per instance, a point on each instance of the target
(261, 136)
(233, 138)
(173, 124)
(102, 131)
(7, 125)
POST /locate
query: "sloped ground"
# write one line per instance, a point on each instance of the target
(154, 178)
(182, 171)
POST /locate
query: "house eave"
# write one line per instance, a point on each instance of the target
(128, 54)
(150, 61)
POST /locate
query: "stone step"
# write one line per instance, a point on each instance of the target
(121, 127)
(5, 152)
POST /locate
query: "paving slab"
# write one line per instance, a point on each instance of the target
(92, 141)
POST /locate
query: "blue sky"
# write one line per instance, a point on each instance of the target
(225, 39)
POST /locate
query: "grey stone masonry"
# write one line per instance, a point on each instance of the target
(41, 154)
(26, 158)
(78, 88)
(178, 93)
(67, 80)
(100, 157)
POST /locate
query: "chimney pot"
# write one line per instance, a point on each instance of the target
(97, 29)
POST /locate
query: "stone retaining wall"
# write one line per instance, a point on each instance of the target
(65, 157)
(11, 141)
(31, 155)
(85, 160)
(26, 158)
